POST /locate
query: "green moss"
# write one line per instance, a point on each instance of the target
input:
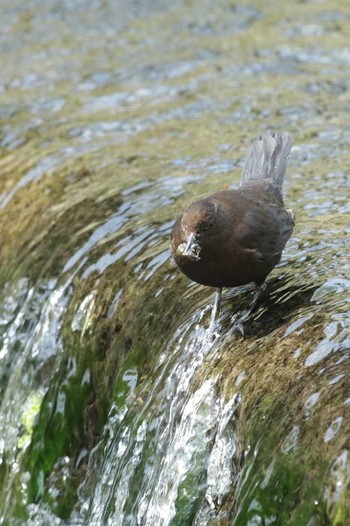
(279, 487)
(31, 411)
(341, 512)
(190, 494)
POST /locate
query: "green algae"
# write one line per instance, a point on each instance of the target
(76, 405)
(282, 479)
(190, 494)
(28, 419)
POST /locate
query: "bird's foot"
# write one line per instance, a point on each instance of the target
(240, 318)
(216, 307)
(214, 325)
(259, 289)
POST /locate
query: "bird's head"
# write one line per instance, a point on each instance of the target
(197, 224)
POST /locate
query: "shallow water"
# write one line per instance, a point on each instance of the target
(117, 406)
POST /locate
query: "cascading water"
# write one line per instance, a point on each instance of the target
(32, 320)
(178, 430)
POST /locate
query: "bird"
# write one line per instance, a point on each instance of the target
(234, 237)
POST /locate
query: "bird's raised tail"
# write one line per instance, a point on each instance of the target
(267, 158)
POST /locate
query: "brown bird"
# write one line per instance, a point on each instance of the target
(235, 237)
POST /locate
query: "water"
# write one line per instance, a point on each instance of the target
(117, 406)
(169, 436)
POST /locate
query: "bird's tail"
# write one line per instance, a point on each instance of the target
(267, 158)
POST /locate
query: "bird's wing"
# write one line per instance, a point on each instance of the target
(266, 229)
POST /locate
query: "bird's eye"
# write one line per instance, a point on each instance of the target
(207, 225)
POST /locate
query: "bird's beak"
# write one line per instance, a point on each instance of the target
(191, 249)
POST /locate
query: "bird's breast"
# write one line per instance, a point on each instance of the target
(224, 266)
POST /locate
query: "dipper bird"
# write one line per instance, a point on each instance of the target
(235, 237)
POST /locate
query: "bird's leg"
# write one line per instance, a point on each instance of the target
(216, 307)
(259, 289)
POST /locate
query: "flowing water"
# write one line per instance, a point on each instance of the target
(118, 406)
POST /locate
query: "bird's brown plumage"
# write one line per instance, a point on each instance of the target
(234, 237)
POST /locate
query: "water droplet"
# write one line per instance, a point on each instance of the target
(336, 379)
(312, 400)
(297, 324)
(291, 441)
(333, 429)
(330, 288)
(240, 378)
